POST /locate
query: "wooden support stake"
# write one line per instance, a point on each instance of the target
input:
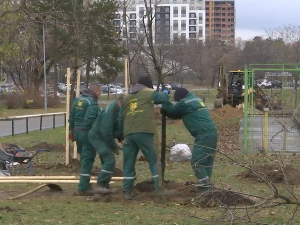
(50, 178)
(163, 146)
(77, 94)
(126, 74)
(67, 116)
(47, 181)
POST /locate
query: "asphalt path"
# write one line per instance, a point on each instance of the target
(33, 124)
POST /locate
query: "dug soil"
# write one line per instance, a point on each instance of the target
(45, 145)
(227, 120)
(186, 194)
(274, 174)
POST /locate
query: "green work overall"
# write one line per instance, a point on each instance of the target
(139, 128)
(83, 114)
(196, 119)
(102, 136)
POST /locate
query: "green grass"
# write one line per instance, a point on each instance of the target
(62, 208)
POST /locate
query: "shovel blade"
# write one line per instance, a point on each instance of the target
(54, 187)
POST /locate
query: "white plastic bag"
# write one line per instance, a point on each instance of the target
(180, 153)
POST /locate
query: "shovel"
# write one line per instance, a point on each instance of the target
(52, 187)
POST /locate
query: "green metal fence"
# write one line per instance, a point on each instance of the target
(270, 122)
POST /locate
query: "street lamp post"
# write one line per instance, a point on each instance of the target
(45, 81)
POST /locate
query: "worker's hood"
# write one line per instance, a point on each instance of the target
(136, 88)
(90, 93)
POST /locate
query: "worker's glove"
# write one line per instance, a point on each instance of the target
(71, 136)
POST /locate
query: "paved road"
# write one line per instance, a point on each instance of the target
(33, 125)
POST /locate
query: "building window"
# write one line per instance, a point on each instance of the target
(192, 15)
(117, 22)
(200, 32)
(118, 16)
(175, 1)
(132, 29)
(183, 36)
(200, 18)
(184, 1)
(192, 1)
(183, 11)
(141, 2)
(192, 22)
(175, 36)
(192, 35)
(192, 7)
(132, 35)
(175, 24)
(132, 22)
(175, 11)
(193, 28)
(132, 16)
(183, 25)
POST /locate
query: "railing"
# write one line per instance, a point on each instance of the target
(24, 124)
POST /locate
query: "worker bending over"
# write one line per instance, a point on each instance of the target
(106, 128)
(197, 121)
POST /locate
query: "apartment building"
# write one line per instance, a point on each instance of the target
(220, 20)
(172, 21)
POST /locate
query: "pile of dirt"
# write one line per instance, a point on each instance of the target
(217, 198)
(227, 120)
(274, 174)
(45, 145)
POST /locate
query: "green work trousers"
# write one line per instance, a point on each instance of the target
(87, 160)
(79, 137)
(132, 144)
(203, 158)
(107, 158)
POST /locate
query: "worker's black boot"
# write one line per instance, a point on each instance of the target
(127, 196)
(102, 189)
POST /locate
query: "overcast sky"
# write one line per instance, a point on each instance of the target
(253, 17)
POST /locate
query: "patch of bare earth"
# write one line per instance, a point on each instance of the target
(274, 173)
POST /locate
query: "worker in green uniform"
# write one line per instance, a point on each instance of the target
(197, 121)
(106, 128)
(139, 125)
(83, 114)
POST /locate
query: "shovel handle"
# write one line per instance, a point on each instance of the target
(29, 192)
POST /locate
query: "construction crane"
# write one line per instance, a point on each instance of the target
(211, 19)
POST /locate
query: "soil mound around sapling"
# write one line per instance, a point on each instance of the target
(45, 145)
(274, 173)
(216, 198)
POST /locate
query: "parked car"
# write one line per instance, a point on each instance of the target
(276, 84)
(264, 84)
(174, 85)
